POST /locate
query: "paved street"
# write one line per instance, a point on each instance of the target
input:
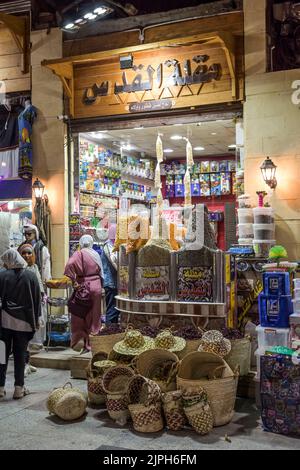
(26, 424)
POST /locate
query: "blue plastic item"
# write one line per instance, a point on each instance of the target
(276, 283)
(274, 311)
(60, 337)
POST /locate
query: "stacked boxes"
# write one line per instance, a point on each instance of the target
(263, 229)
(275, 307)
(295, 317)
(245, 218)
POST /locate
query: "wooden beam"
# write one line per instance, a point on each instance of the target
(66, 74)
(229, 48)
(98, 56)
(19, 29)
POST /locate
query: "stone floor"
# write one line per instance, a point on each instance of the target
(25, 424)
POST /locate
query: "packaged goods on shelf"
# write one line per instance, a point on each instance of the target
(205, 185)
(215, 182)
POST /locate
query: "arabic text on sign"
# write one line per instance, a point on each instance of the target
(179, 76)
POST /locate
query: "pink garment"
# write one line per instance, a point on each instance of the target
(90, 273)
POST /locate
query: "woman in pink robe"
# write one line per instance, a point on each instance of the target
(85, 266)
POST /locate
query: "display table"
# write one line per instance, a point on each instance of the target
(170, 313)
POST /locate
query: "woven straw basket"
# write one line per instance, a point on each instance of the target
(115, 384)
(143, 391)
(173, 410)
(148, 363)
(116, 379)
(71, 406)
(105, 342)
(200, 417)
(58, 393)
(146, 419)
(240, 355)
(96, 394)
(117, 407)
(209, 371)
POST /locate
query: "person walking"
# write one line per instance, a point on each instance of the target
(85, 268)
(110, 282)
(27, 253)
(42, 254)
(21, 308)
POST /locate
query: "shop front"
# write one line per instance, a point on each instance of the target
(158, 134)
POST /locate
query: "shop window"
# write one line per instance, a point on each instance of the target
(14, 214)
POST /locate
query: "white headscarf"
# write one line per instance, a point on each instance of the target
(86, 244)
(31, 228)
(13, 260)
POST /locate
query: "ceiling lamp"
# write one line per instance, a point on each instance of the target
(83, 17)
(176, 137)
(100, 11)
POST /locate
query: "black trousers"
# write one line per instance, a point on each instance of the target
(17, 343)
(112, 314)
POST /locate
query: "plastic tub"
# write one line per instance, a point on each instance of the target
(244, 201)
(296, 305)
(263, 215)
(262, 247)
(245, 216)
(297, 283)
(297, 293)
(245, 231)
(268, 337)
(264, 231)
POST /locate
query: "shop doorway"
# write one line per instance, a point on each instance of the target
(121, 158)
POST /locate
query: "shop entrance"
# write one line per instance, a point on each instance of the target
(119, 159)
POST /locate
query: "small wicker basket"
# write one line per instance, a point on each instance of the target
(146, 419)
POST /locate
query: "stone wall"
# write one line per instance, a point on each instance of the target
(50, 161)
(271, 129)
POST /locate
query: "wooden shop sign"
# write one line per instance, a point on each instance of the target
(176, 73)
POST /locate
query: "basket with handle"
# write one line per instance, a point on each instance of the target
(173, 410)
(116, 379)
(159, 365)
(240, 355)
(211, 372)
(143, 391)
(115, 385)
(58, 393)
(198, 411)
(96, 394)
